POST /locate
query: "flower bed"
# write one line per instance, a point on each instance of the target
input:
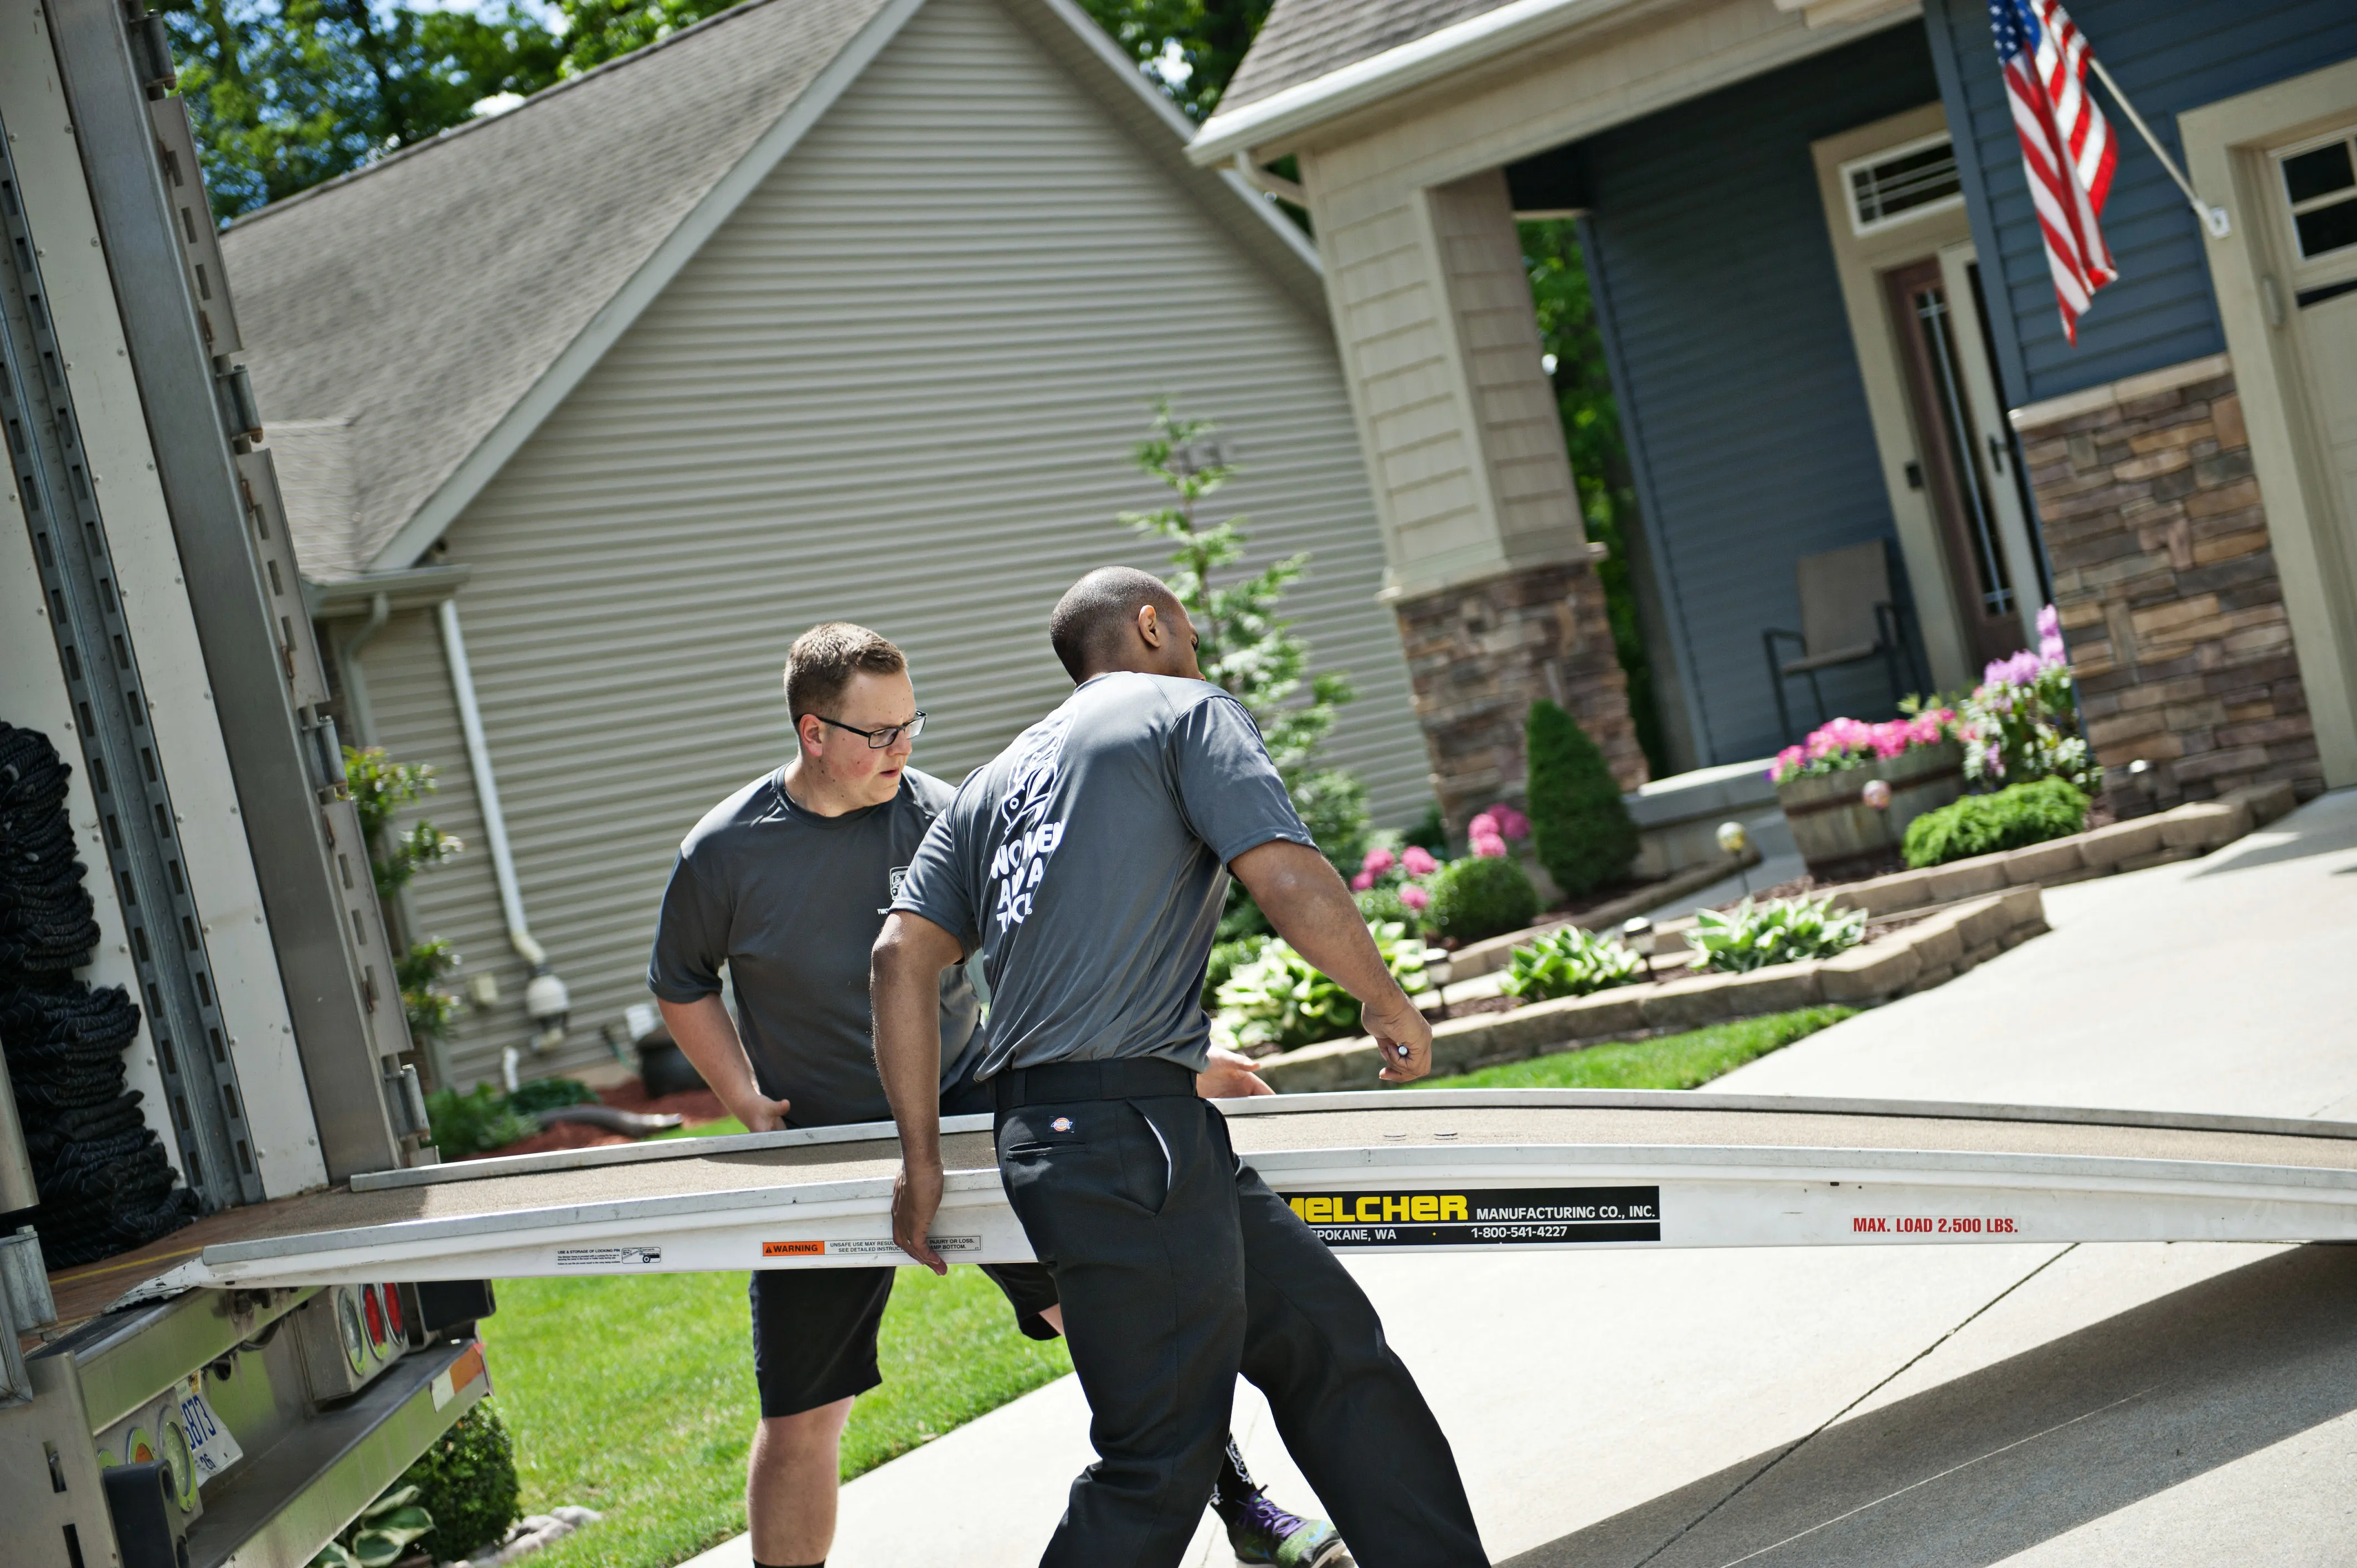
(1919, 955)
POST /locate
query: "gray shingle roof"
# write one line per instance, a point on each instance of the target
(1305, 40)
(396, 316)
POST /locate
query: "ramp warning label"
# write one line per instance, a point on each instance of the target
(1516, 1217)
(606, 1257)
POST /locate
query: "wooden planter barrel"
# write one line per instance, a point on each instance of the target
(1838, 834)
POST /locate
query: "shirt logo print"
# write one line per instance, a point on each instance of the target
(1061, 1124)
(1026, 838)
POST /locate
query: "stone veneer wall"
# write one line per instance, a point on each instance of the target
(1479, 655)
(2167, 587)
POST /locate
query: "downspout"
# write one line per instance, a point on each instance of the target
(544, 996)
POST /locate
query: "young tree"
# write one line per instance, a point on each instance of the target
(380, 787)
(1245, 648)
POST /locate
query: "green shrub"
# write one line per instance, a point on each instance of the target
(1569, 961)
(2016, 815)
(1333, 807)
(1430, 832)
(1279, 999)
(1782, 930)
(467, 1481)
(1226, 959)
(472, 1123)
(549, 1094)
(1480, 896)
(1580, 830)
(1384, 907)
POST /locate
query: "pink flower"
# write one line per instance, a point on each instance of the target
(1414, 897)
(1489, 846)
(1483, 826)
(1416, 861)
(2018, 670)
(1512, 824)
(2050, 622)
(1378, 861)
(1360, 883)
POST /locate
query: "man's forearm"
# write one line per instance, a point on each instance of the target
(1305, 901)
(704, 1033)
(904, 996)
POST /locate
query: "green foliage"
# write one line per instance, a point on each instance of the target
(1668, 1061)
(1580, 829)
(1430, 832)
(2017, 815)
(431, 1008)
(287, 94)
(1382, 905)
(476, 1122)
(550, 1094)
(1782, 930)
(467, 1481)
(1599, 458)
(1188, 47)
(1569, 961)
(1333, 807)
(380, 787)
(1227, 957)
(1480, 896)
(2023, 725)
(1279, 999)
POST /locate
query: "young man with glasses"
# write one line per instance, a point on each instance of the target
(786, 882)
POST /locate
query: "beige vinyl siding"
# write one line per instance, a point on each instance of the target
(898, 386)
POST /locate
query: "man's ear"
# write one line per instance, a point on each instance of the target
(809, 732)
(1149, 626)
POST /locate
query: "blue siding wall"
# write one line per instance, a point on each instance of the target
(2169, 56)
(1732, 359)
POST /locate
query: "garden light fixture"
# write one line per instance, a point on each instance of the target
(1877, 794)
(1636, 935)
(1735, 841)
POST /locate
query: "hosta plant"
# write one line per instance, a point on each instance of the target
(1280, 1001)
(1569, 961)
(1782, 930)
(382, 1535)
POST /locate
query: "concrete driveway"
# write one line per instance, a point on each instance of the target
(2124, 1404)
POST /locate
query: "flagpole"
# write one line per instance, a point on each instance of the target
(2213, 218)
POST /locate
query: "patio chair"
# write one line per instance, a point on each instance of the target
(1848, 615)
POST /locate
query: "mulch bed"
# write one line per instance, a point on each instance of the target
(695, 1108)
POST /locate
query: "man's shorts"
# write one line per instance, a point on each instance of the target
(814, 1330)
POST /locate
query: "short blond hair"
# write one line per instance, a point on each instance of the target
(822, 660)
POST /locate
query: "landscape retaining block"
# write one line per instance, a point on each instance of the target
(1780, 988)
(1868, 974)
(1688, 1003)
(2041, 863)
(2104, 848)
(2204, 825)
(1965, 878)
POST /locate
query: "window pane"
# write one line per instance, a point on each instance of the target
(2319, 173)
(2327, 228)
(1901, 183)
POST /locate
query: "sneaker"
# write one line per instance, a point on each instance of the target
(1263, 1532)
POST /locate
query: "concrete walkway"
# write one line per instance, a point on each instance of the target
(2014, 1404)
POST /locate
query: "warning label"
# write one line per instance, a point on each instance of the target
(1517, 1217)
(606, 1257)
(865, 1247)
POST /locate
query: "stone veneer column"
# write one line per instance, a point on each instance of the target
(2167, 587)
(1479, 654)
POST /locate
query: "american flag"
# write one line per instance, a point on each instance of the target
(2066, 147)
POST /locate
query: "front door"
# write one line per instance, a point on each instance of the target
(1964, 469)
(2318, 211)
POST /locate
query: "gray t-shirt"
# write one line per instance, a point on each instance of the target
(1088, 861)
(791, 902)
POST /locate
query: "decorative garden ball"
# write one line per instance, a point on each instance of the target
(1877, 794)
(1732, 838)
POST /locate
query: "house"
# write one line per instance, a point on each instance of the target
(1830, 323)
(819, 309)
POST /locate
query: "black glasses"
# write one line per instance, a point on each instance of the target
(878, 739)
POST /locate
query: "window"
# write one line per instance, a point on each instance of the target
(1902, 183)
(2320, 183)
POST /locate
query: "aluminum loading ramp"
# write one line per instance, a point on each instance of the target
(1434, 1171)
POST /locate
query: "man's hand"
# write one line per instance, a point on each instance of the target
(1403, 1041)
(1229, 1075)
(757, 1112)
(905, 997)
(916, 1198)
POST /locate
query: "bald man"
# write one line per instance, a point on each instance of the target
(1088, 864)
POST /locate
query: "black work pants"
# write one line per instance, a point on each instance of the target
(1178, 1268)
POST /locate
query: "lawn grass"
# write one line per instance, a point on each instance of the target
(1666, 1061)
(635, 1396)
